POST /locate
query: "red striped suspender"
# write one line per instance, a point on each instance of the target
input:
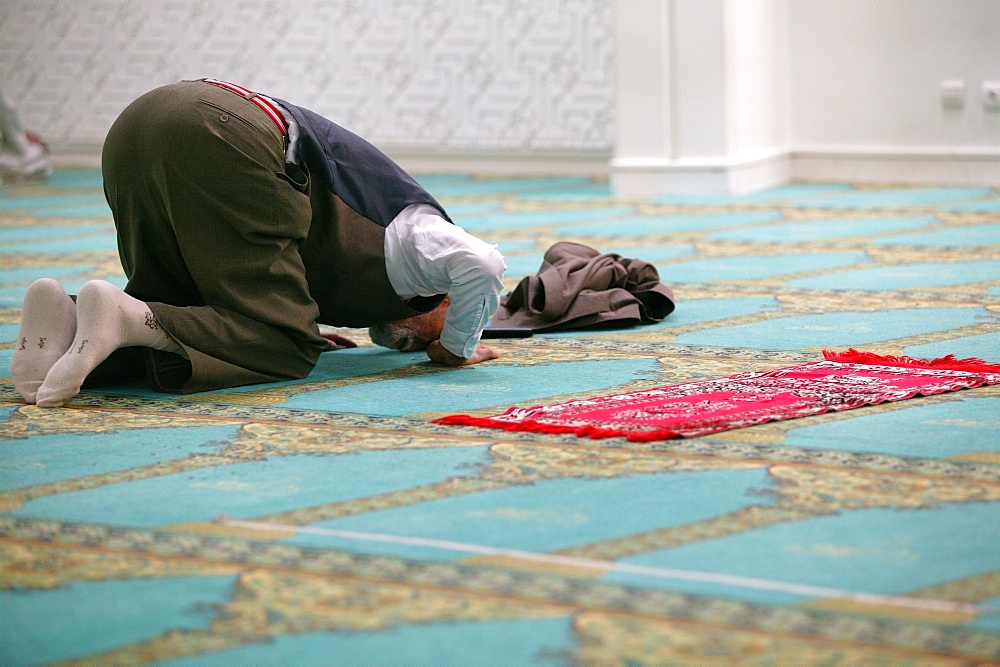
(265, 105)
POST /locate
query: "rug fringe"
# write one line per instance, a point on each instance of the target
(946, 363)
(588, 431)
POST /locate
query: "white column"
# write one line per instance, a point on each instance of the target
(700, 97)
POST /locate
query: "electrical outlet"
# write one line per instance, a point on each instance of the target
(953, 94)
(991, 95)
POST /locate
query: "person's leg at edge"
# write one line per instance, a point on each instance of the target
(106, 319)
(48, 324)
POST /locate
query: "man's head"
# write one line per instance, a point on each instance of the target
(412, 334)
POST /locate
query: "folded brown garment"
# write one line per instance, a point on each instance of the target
(578, 287)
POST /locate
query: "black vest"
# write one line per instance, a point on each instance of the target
(355, 191)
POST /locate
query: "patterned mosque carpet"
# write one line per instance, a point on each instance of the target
(329, 521)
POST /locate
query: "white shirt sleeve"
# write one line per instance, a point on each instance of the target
(426, 255)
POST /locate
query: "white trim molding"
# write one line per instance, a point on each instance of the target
(503, 163)
(641, 177)
(76, 155)
(486, 162)
(636, 177)
(930, 165)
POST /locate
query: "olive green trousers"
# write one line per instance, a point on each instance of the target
(210, 220)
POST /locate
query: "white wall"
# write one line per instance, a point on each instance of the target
(711, 95)
(866, 82)
(869, 73)
(420, 78)
(755, 93)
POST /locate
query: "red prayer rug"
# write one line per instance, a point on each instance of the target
(845, 380)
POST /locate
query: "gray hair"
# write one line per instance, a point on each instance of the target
(391, 334)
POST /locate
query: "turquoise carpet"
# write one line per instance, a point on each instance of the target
(327, 521)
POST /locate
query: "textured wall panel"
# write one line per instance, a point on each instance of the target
(435, 75)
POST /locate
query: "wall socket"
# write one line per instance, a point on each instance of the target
(991, 95)
(953, 94)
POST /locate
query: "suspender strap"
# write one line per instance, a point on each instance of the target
(266, 105)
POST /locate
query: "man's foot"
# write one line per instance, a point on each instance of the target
(48, 324)
(107, 319)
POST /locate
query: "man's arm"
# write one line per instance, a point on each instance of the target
(476, 282)
(433, 256)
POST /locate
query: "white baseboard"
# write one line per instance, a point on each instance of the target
(487, 162)
(76, 156)
(874, 164)
(639, 177)
(894, 165)
(494, 162)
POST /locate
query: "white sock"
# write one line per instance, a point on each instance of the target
(48, 324)
(106, 319)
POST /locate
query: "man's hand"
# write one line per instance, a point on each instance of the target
(337, 341)
(437, 352)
